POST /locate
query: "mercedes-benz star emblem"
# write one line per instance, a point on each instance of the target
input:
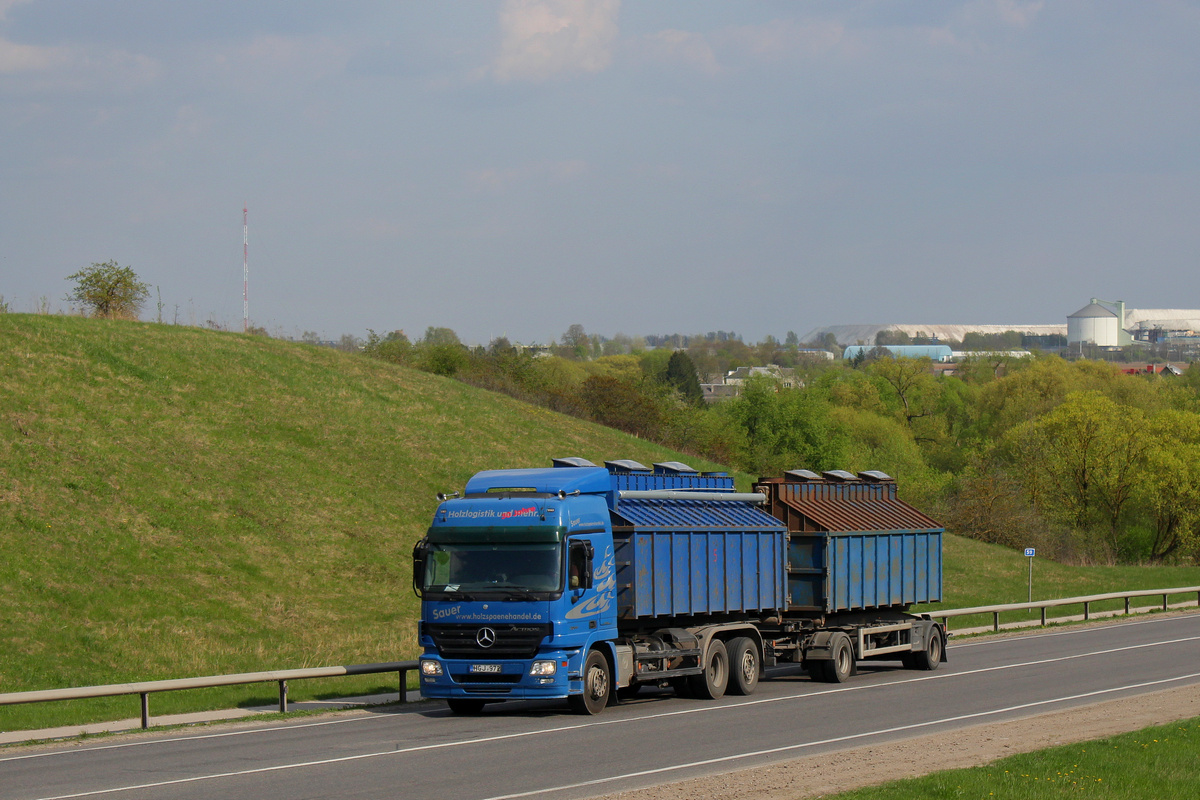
(486, 637)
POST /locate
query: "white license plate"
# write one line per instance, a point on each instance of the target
(485, 668)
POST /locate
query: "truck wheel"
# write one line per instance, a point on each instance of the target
(466, 708)
(711, 683)
(929, 658)
(841, 665)
(744, 664)
(596, 686)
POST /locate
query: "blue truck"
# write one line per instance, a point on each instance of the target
(588, 583)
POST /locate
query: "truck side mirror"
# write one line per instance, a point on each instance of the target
(420, 549)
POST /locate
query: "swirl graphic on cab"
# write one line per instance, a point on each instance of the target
(605, 587)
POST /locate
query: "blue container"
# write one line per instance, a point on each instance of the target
(853, 545)
(663, 573)
(831, 572)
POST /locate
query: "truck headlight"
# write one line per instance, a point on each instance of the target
(543, 668)
(431, 668)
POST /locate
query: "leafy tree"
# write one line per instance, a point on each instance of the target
(442, 359)
(910, 382)
(1170, 485)
(681, 375)
(440, 336)
(393, 346)
(782, 428)
(988, 504)
(884, 338)
(109, 290)
(575, 343)
(620, 404)
(1081, 462)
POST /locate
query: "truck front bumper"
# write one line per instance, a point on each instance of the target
(502, 679)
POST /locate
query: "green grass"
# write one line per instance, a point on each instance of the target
(977, 574)
(1158, 762)
(178, 502)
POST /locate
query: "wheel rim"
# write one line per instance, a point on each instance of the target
(749, 668)
(935, 650)
(716, 670)
(843, 660)
(598, 683)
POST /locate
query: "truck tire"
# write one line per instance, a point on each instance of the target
(597, 683)
(929, 658)
(465, 708)
(744, 664)
(841, 663)
(710, 684)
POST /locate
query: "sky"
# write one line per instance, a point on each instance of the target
(514, 167)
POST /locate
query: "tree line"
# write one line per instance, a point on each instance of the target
(1077, 458)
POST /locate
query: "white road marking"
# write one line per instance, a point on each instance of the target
(1050, 634)
(835, 740)
(682, 712)
(380, 717)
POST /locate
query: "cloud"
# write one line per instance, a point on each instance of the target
(61, 68)
(16, 58)
(5, 5)
(543, 39)
(267, 62)
(494, 180)
(790, 39)
(685, 47)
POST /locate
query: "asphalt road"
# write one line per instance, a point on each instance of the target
(540, 750)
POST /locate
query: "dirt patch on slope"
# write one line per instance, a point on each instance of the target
(815, 776)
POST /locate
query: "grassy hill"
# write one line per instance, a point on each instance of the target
(178, 502)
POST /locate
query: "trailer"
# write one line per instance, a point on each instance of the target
(587, 583)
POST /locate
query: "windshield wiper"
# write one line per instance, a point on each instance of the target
(457, 596)
(516, 592)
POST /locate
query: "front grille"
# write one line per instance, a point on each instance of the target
(511, 640)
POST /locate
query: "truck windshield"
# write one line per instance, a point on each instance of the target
(504, 568)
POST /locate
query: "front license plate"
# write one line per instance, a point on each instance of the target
(485, 668)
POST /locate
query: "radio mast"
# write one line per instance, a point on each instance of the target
(245, 271)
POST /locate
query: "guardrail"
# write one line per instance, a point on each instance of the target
(146, 688)
(1085, 601)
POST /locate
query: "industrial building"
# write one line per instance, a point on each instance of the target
(865, 334)
(1099, 325)
(1102, 323)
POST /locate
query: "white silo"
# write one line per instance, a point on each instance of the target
(1094, 324)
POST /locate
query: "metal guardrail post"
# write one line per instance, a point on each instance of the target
(145, 710)
(1087, 611)
(283, 697)
(403, 686)
(1164, 602)
(1127, 605)
(995, 620)
(1043, 616)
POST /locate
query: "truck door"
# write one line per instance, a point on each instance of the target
(591, 584)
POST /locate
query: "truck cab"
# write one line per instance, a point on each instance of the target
(517, 586)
